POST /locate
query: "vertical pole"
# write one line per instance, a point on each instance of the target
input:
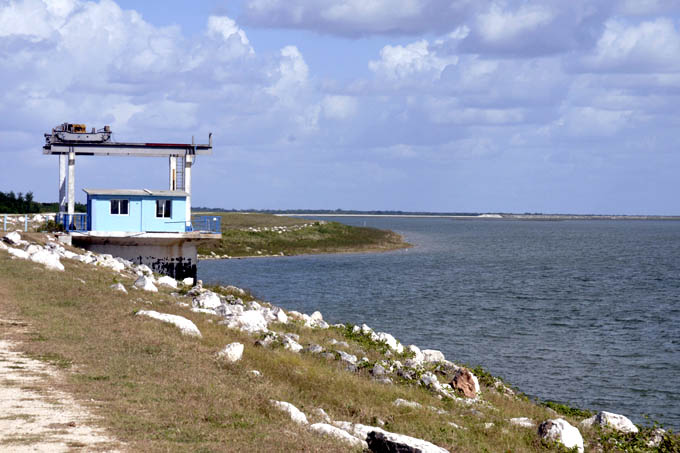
(71, 182)
(62, 182)
(4, 223)
(26, 222)
(187, 185)
(173, 172)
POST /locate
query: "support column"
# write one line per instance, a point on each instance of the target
(71, 183)
(62, 182)
(173, 172)
(187, 184)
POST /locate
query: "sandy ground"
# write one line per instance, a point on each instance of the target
(35, 417)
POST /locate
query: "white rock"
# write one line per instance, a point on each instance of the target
(349, 358)
(146, 284)
(401, 402)
(430, 380)
(119, 287)
(166, 280)
(144, 269)
(185, 325)
(524, 422)
(400, 442)
(14, 238)
(32, 248)
(362, 432)
(295, 414)
(231, 352)
(108, 261)
(281, 315)
(316, 316)
(365, 329)
(611, 420)
(432, 355)
(38, 218)
(208, 300)
(48, 259)
(319, 412)
(418, 356)
(3, 246)
(188, 281)
(331, 431)
(18, 253)
(68, 254)
(559, 430)
(390, 341)
(249, 321)
(291, 345)
(254, 373)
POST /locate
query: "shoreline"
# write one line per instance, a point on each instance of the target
(401, 389)
(547, 217)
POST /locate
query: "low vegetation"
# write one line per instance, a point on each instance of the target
(265, 234)
(157, 390)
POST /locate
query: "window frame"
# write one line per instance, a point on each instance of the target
(167, 208)
(119, 203)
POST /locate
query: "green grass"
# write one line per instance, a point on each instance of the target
(265, 234)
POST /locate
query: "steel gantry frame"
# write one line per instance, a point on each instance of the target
(181, 157)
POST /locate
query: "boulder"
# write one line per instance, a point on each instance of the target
(250, 321)
(254, 373)
(166, 280)
(320, 413)
(559, 430)
(378, 371)
(188, 281)
(406, 403)
(386, 442)
(466, 383)
(349, 358)
(524, 422)
(418, 356)
(3, 246)
(314, 349)
(17, 253)
(146, 284)
(231, 352)
(119, 287)
(144, 269)
(186, 326)
(280, 315)
(48, 259)
(295, 414)
(14, 238)
(290, 344)
(111, 263)
(208, 300)
(430, 380)
(390, 341)
(432, 355)
(614, 421)
(331, 431)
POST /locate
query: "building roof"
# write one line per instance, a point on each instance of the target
(137, 192)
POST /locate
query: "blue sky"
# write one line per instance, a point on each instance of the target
(422, 105)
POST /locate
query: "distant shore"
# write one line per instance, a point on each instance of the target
(496, 216)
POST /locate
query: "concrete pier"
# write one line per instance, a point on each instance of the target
(165, 253)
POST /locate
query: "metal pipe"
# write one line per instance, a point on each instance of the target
(26, 222)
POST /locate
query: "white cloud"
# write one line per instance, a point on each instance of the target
(339, 107)
(651, 46)
(401, 62)
(498, 24)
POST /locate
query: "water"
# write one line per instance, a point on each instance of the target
(582, 312)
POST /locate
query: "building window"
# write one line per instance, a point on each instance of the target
(164, 208)
(120, 207)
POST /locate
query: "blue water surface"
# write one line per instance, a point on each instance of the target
(582, 312)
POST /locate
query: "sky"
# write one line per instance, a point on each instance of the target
(546, 106)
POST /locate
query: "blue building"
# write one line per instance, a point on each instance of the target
(137, 211)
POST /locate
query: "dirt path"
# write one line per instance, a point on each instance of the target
(37, 418)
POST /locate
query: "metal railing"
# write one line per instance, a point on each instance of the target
(72, 222)
(206, 223)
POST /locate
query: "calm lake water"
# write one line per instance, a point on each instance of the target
(582, 312)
